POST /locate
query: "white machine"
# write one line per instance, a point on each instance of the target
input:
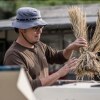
(73, 91)
(89, 90)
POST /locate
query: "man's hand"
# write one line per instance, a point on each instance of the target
(69, 66)
(79, 42)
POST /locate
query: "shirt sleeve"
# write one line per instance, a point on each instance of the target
(15, 59)
(55, 56)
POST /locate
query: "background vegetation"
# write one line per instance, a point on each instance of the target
(8, 7)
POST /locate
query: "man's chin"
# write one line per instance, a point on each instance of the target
(35, 42)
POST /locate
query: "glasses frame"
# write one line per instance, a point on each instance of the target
(37, 28)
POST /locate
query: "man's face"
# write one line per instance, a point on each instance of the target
(33, 34)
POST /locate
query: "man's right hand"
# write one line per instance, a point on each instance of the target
(69, 66)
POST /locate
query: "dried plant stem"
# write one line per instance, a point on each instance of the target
(78, 22)
(95, 42)
(89, 64)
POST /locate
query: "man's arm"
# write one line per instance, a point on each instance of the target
(49, 80)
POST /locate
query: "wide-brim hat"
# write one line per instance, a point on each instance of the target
(28, 17)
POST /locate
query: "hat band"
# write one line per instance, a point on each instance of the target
(27, 19)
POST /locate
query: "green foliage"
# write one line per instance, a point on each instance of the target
(52, 2)
(8, 7)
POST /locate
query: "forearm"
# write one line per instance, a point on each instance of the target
(67, 52)
(49, 80)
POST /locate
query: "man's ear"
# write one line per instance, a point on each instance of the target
(21, 31)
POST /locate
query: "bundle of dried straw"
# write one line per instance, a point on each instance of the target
(88, 64)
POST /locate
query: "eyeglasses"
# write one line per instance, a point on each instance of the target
(38, 28)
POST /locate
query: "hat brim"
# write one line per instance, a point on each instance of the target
(28, 24)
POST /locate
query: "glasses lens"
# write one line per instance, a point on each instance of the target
(37, 28)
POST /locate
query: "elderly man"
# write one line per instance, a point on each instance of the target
(32, 54)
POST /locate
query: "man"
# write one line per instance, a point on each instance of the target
(29, 52)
